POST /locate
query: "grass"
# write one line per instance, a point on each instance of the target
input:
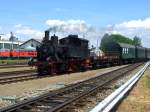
(148, 82)
(147, 78)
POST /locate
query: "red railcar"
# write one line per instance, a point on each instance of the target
(5, 53)
(23, 53)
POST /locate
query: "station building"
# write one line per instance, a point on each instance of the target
(4, 44)
(30, 44)
(14, 43)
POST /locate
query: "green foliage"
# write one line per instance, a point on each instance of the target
(137, 41)
(104, 41)
(108, 39)
(121, 39)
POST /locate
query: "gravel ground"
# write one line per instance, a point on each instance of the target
(138, 99)
(12, 93)
(93, 100)
(15, 69)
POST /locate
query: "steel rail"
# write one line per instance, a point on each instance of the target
(14, 73)
(15, 76)
(110, 102)
(20, 77)
(57, 100)
(12, 66)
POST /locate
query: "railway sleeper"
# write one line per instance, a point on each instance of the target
(74, 94)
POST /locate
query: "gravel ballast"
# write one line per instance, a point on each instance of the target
(12, 93)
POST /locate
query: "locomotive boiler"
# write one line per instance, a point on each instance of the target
(61, 55)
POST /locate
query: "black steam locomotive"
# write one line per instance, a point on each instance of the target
(62, 55)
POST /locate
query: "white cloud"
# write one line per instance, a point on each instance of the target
(5, 36)
(63, 28)
(71, 26)
(135, 24)
(79, 27)
(28, 32)
(133, 28)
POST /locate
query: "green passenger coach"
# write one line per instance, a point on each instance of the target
(126, 52)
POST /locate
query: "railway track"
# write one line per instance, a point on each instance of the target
(9, 77)
(12, 66)
(61, 99)
(15, 73)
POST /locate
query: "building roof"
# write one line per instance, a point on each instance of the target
(126, 45)
(30, 40)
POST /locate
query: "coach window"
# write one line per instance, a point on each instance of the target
(7, 46)
(127, 50)
(15, 46)
(1, 45)
(122, 50)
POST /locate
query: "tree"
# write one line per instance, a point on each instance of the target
(116, 38)
(137, 41)
(108, 39)
(104, 41)
(121, 39)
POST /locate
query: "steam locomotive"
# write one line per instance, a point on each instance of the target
(71, 54)
(66, 54)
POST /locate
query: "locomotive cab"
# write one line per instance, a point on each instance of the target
(56, 56)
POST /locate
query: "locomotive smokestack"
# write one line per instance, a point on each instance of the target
(47, 34)
(46, 38)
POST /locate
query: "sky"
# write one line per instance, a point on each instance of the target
(90, 19)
